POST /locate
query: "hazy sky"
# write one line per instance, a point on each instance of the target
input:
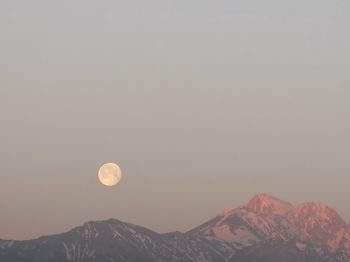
(202, 103)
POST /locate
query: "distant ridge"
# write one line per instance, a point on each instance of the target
(266, 229)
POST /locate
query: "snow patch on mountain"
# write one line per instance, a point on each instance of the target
(241, 236)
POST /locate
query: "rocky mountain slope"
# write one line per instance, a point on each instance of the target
(265, 229)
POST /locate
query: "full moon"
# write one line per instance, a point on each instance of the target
(109, 174)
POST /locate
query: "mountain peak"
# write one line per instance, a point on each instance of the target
(266, 203)
(265, 229)
(319, 211)
(318, 222)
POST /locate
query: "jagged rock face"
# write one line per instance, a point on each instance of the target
(319, 223)
(343, 251)
(265, 229)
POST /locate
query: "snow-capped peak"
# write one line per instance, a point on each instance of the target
(270, 204)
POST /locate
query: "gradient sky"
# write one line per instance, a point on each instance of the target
(202, 103)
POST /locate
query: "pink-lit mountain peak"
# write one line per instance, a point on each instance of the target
(318, 212)
(267, 217)
(266, 203)
(307, 232)
(318, 222)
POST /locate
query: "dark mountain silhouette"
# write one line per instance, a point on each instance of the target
(266, 229)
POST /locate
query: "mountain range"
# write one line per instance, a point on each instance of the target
(266, 229)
